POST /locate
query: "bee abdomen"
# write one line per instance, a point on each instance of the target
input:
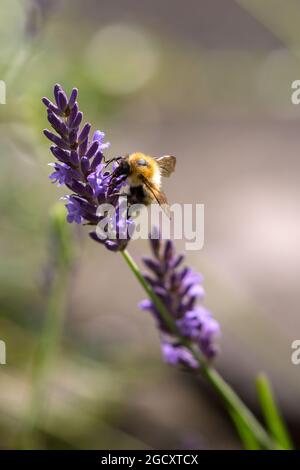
(139, 195)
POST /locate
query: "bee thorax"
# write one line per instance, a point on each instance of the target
(134, 180)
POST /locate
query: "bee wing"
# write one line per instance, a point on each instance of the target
(166, 164)
(163, 202)
(158, 195)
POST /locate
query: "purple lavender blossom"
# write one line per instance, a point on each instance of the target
(80, 165)
(179, 289)
(74, 210)
(99, 181)
(175, 354)
(63, 174)
(99, 136)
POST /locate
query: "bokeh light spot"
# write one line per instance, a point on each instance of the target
(122, 58)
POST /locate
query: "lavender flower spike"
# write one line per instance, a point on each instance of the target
(179, 289)
(79, 164)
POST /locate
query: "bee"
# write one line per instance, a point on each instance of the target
(143, 174)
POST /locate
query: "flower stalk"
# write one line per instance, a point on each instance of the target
(222, 388)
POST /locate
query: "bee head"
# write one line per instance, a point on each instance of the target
(121, 172)
(123, 169)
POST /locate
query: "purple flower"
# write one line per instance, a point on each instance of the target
(99, 136)
(80, 165)
(63, 173)
(99, 181)
(75, 213)
(119, 227)
(199, 326)
(175, 354)
(179, 288)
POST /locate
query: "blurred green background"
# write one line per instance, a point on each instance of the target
(210, 82)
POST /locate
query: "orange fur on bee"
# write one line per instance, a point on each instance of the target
(151, 172)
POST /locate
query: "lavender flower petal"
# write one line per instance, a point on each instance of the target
(176, 354)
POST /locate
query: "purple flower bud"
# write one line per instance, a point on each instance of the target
(85, 165)
(145, 304)
(56, 140)
(73, 114)
(73, 98)
(83, 147)
(46, 101)
(151, 281)
(62, 100)
(185, 306)
(155, 241)
(92, 149)
(58, 125)
(97, 160)
(61, 155)
(184, 273)
(176, 261)
(154, 265)
(84, 133)
(52, 106)
(77, 121)
(74, 157)
(77, 187)
(168, 252)
(73, 137)
(57, 89)
(111, 245)
(160, 291)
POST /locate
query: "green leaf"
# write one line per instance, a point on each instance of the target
(247, 437)
(272, 415)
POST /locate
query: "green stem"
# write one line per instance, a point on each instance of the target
(223, 389)
(155, 299)
(235, 404)
(47, 348)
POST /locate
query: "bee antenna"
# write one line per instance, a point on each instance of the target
(115, 159)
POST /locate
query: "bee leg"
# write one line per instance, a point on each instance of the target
(119, 194)
(115, 159)
(112, 183)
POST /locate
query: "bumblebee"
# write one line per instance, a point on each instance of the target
(143, 174)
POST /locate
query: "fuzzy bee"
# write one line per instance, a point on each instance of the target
(143, 174)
